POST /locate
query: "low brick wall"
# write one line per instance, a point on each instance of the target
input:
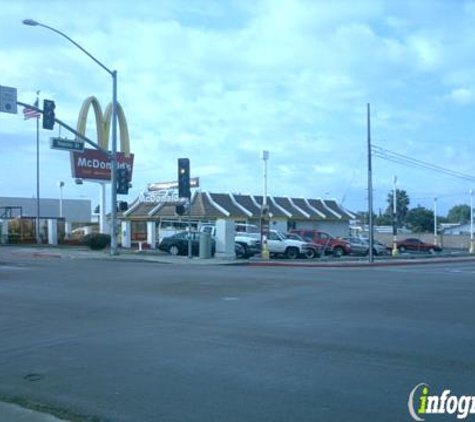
(452, 241)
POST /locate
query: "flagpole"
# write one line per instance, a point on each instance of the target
(38, 237)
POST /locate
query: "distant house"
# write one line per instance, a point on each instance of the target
(460, 229)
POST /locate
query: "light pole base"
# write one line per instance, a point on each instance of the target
(265, 255)
(395, 252)
(472, 247)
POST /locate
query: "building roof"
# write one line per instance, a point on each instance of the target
(334, 206)
(207, 205)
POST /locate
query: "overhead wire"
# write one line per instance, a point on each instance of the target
(412, 162)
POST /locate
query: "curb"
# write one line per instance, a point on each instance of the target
(361, 264)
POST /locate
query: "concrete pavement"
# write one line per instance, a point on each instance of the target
(13, 413)
(155, 256)
(125, 343)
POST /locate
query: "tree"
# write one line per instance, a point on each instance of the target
(459, 214)
(402, 206)
(383, 220)
(420, 219)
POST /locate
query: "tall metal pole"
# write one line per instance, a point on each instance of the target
(114, 166)
(370, 190)
(190, 252)
(472, 245)
(435, 221)
(264, 233)
(103, 227)
(395, 251)
(38, 236)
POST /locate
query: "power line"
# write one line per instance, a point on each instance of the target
(412, 162)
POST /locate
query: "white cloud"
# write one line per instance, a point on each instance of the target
(462, 96)
(220, 81)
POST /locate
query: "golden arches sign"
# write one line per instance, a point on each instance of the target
(95, 164)
(103, 123)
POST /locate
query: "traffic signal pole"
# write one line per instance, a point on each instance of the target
(184, 192)
(67, 127)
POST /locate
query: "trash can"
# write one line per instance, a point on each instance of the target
(205, 245)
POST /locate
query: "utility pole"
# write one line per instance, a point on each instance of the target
(370, 191)
(395, 251)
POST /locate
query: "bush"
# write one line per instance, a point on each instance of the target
(13, 238)
(97, 241)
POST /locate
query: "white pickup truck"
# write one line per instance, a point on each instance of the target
(279, 244)
(251, 243)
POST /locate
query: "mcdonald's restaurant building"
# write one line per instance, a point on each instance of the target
(149, 221)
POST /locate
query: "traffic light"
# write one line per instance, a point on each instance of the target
(122, 181)
(48, 114)
(184, 178)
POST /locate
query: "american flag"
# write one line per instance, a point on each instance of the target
(29, 113)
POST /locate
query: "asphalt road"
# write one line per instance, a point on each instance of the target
(122, 341)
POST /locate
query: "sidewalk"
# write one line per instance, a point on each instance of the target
(79, 252)
(158, 257)
(13, 413)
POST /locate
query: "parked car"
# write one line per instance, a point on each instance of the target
(360, 246)
(177, 244)
(416, 245)
(279, 244)
(318, 248)
(331, 245)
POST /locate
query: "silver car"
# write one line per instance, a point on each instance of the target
(360, 246)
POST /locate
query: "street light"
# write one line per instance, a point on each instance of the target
(435, 221)
(265, 233)
(472, 245)
(113, 154)
(61, 185)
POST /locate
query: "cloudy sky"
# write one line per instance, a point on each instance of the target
(220, 81)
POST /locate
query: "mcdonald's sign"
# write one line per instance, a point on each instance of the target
(94, 164)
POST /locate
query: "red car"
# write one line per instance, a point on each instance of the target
(417, 246)
(330, 244)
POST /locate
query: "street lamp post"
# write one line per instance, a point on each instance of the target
(435, 222)
(472, 245)
(61, 185)
(264, 234)
(113, 154)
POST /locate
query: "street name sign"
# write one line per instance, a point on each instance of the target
(66, 144)
(8, 99)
